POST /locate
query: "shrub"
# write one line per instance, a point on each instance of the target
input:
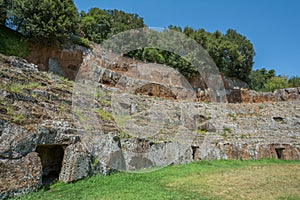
(276, 82)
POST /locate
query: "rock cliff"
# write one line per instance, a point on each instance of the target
(43, 140)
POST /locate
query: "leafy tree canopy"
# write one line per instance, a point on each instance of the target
(266, 80)
(232, 52)
(4, 8)
(259, 77)
(276, 82)
(45, 20)
(294, 81)
(57, 20)
(97, 25)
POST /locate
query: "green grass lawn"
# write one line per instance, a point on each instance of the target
(264, 179)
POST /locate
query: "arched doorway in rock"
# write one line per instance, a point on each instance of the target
(51, 158)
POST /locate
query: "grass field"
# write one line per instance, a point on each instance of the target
(264, 179)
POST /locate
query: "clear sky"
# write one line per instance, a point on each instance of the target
(273, 26)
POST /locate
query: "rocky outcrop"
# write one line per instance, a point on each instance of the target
(76, 163)
(248, 151)
(35, 126)
(41, 140)
(19, 176)
(250, 96)
(64, 61)
(144, 154)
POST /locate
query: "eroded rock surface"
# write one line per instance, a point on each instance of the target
(19, 176)
(37, 119)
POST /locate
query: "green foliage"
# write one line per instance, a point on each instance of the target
(274, 83)
(44, 21)
(81, 41)
(294, 81)
(233, 116)
(62, 108)
(267, 81)
(259, 77)
(12, 43)
(31, 85)
(95, 162)
(232, 52)
(97, 25)
(19, 88)
(106, 116)
(243, 136)
(121, 21)
(4, 8)
(202, 132)
(18, 118)
(103, 97)
(16, 88)
(164, 57)
(238, 58)
(226, 131)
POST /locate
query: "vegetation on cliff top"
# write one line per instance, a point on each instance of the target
(12, 43)
(54, 21)
(263, 179)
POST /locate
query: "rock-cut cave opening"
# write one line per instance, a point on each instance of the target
(51, 158)
(279, 152)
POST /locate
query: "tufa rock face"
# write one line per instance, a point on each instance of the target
(41, 143)
(19, 176)
(64, 61)
(76, 163)
(250, 96)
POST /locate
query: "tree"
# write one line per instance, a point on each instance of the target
(97, 25)
(121, 21)
(153, 55)
(45, 20)
(4, 9)
(276, 82)
(259, 77)
(294, 81)
(232, 52)
(242, 62)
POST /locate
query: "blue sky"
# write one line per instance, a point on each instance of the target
(273, 26)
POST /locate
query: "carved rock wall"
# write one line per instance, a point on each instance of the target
(76, 163)
(19, 176)
(64, 61)
(252, 130)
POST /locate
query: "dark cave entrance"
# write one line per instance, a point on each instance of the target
(279, 152)
(195, 152)
(51, 158)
